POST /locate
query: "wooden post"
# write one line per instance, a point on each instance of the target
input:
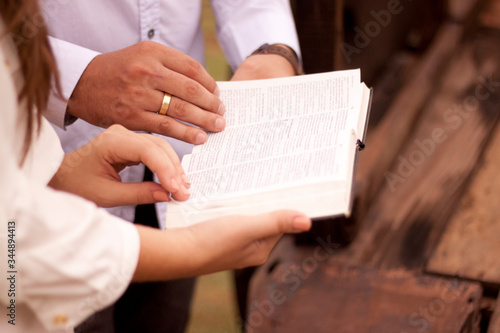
(320, 29)
(338, 62)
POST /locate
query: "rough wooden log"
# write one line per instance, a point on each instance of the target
(300, 297)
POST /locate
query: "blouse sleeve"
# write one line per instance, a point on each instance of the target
(72, 259)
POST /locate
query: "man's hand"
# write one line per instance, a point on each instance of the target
(92, 170)
(263, 66)
(126, 87)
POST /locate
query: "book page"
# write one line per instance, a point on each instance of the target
(279, 133)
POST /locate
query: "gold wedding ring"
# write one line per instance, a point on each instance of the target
(165, 104)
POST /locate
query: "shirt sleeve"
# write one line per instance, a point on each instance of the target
(72, 60)
(244, 25)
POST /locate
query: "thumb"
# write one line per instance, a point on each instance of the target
(122, 194)
(279, 222)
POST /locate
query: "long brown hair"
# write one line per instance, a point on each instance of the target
(26, 27)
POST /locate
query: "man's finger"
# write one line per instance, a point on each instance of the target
(190, 90)
(185, 111)
(187, 66)
(167, 126)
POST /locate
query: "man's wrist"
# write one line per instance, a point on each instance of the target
(284, 51)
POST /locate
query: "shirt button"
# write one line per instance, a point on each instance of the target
(151, 33)
(60, 320)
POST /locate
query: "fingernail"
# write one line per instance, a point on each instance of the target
(184, 190)
(221, 110)
(301, 223)
(185, 179)
(201, 138)
(217, 91)
(161, 196)
(220, 123)
(174, 184)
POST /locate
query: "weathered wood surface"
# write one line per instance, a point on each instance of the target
(400, 119)
(423, 187)
(427, 186)
(494, 326)
(470, 247)
(460, 10)
(359, 299)
(490, 14)
(418, 197)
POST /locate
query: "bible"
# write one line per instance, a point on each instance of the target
(289, 143)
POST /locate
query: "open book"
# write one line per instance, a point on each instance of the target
(289, 143)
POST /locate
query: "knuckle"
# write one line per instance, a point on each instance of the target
(127, 114)
(214, 105)
(171, 127)
(107, 133)
(282, 225)
(142, 197)
(165, 126)
(192, 68)
(133, 70)
(191, 89)
(134, 92)
(116, 128)
(262, 257)
(108, 136)
(146, 46)
(138, 72)
(179, 109)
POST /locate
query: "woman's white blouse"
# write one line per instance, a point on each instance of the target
(67, 257)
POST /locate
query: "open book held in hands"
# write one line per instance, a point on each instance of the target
(289, 143)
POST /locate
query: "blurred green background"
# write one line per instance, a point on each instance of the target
(214, 308)
(216, 63)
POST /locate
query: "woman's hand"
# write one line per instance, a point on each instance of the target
(220, 244)
(92, 170)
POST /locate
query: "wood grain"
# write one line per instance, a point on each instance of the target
(386, 140)
(422, 189)
(470, 247)
(494, 326)
(338, 298)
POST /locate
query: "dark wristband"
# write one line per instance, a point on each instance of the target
(283, 51)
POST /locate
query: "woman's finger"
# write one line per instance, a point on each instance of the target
(123, 194)
(123, 147)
